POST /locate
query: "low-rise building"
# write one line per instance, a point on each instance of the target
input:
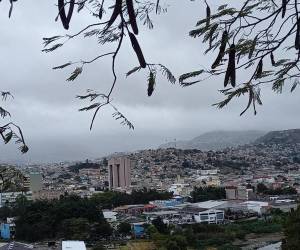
(210, 216)
(73, 245)
(110, 216)
(9, 198)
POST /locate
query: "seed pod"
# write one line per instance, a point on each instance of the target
(157, 6)
(252, 48)
(8, 137)
(65, 19)
(101, 10)
(297, 38)
(232, 52)
(208, 13)
(70, 12)
(231, 71)
(117, 10)
(272, 59)
(137, 49)
(62, 14)
(259, 69)
(151, 83)
(284, 3)
(221, 50)
(132, 17)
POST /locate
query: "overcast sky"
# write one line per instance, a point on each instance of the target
(46, 108)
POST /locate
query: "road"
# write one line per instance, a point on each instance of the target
(16, 246)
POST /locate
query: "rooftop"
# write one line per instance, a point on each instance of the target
(73, 245)
(209, 204)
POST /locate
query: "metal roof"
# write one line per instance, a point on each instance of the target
(73, 245)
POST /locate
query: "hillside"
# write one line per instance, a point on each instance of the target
(217, 140)
(290, 136)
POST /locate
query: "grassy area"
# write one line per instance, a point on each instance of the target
(223, 236)
(139, 245)
(206, 237)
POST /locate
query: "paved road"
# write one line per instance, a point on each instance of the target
(16, 246)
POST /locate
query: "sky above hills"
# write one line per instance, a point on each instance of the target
(45, 104)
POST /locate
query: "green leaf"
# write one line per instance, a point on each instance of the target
(295, 84)
(185, 76)
(75, 74)
(62, 66)
(135, 69)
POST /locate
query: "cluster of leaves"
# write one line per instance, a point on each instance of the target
(111, 199)
(72, 217)
(122, 23)
(207, 193)
(69, 217)
(291, 231)
(10, 131)
(249, 39)
(263, 189)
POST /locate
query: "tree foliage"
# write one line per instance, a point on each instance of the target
(70, 217)
(263, 189)
(124, 228)
(248, 36)
(9, 131)
(291, 231)
(207, 193)
(258, 44)
(112, 199)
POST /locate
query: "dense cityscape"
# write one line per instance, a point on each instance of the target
(139, 198)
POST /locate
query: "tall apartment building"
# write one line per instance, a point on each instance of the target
(119, 173)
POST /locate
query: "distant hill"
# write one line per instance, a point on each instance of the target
(217, 140)
(290, 136)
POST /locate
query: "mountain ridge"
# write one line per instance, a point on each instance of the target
(288, 136)
(217, 140)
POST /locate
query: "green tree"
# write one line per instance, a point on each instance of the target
(10, 131)
(124, 228)
(75, 229)
(208, 193)
(101, 230)
(291, 231)
(261, 188)
(177, 242)
(99, 246)
(160, 225)
(69, 217)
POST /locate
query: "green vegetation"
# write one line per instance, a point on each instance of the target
(208, 193)
(124, 228)
(200, 236)
(263, 189)
(113, 199)
(82, 165)
(72, 217)
(292, 231)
